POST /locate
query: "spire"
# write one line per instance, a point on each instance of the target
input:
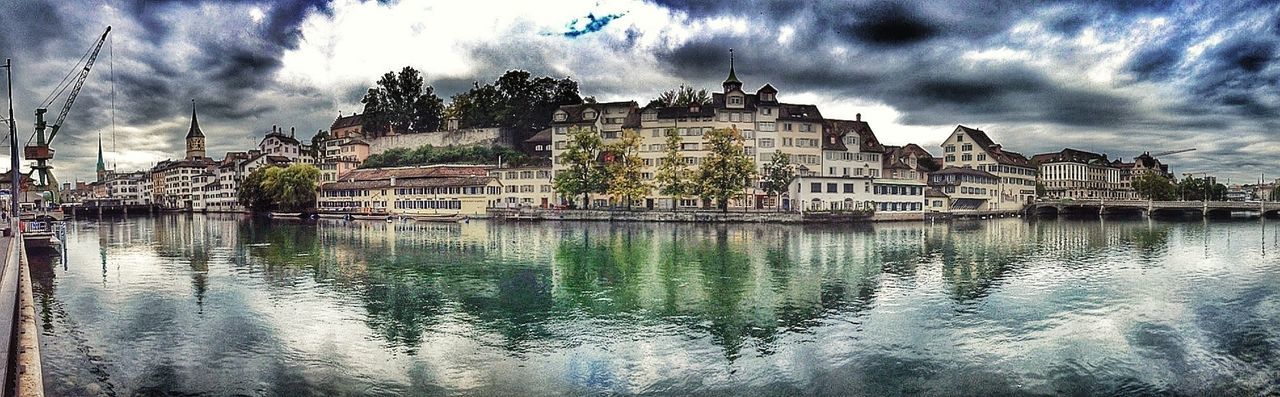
(102, 165)
(731, 83)
(194, 132)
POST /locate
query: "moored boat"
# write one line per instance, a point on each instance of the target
(286, 215)
(437, 217)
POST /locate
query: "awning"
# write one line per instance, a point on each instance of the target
(967, 204)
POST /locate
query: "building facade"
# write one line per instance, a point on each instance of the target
(972, 148)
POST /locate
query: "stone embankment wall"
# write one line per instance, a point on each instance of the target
(537, 214)
(487, 136)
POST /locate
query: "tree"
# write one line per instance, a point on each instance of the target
(624, 167)
(1041, 191)
(683, 96)
(778, 175)
(583, 174)
(515, 101)
(275, 188)
(1275, 194)
(429, 155)
(252, 194)
(673, 174)
(402, 104)
(294, 187)
(726, 170)
(1151, 186)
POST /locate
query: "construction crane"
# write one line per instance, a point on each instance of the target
(40, 151)
(1172, 152)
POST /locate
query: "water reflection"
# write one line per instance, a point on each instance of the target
(221, 304)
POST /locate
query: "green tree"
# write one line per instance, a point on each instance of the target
(625, 167)
(401, 103)
(673, 174)
(516, 101)
(1151, 186)
(778, 175)
(293, 188)
(583, 173)
(1041, 191)
(726, 170)
(1275, 194)
(252, 194)
(683, 96)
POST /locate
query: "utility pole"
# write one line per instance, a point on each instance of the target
(14, 187)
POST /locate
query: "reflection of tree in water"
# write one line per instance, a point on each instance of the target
(401, 306)
(601, 275)
(974, 264)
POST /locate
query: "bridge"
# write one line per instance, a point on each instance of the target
(1270, 209)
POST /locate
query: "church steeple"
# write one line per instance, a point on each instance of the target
(102, 164)
(195, 137)
(732, 82)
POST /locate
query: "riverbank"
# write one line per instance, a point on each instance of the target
(709, 216)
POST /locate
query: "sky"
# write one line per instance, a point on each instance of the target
(1117, 78)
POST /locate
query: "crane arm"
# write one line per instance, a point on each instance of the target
(75, 91)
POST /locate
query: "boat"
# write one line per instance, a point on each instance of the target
(42, 232)
(286, 215)
(436, 217)
(370, 217)
(332, 215)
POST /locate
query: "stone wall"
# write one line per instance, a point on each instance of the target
(539, 214)
(485, 136)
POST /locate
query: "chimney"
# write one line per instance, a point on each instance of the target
(393, 181)
(291, 132)
(857, 117)
(273, 128)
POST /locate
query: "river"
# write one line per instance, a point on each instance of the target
(228, 305)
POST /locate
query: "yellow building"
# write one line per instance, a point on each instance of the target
(426, 190)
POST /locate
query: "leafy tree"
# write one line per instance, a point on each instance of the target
(402, 104)
(625, 167)
(683, 96)
(1151, 186)
(1041, 191)
(778, 175)
(515, 101)
(726, 170)
(252, 194)
(1275, 194)
(583, 174)
(270, 188)
(673, 174)
(293, 187)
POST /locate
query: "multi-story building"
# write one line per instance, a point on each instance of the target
(172, 181)
(1079, 174)
(965, 189)
(528, 186)
(276, 143)
(427, 190)
(908, 162)
(817, 146)
(1141, 165)
(971, 148)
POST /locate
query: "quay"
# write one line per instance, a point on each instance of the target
(22, 372)
(1206, 209)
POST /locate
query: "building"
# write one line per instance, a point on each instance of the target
(1078, 174)
(816, 145)
(276, 143)
(176, 184)
(908, 162)
(428, 190)
(530, 186)
(965, 189)
(972, 148)
(1142, 164)
(195, 137)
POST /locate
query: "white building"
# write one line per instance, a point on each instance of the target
(971, 148)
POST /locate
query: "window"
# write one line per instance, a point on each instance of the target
(735, 100)
(966, 157)
(765, 142)
(734, 117)
(786, 126)
(589, 114)
(815, 187)
(966, 147)
(786, 142)
(959, 137)
(560, 116)
(766, 111)
(848, 188)
(950, 158)
(806, 127)
(767, 126)
(949, 149)
(831, 188)
(689, 146)
(982, 157)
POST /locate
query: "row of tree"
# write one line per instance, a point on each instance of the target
(403, 102)
(273, 188)
(428, 155)
(1157, 187)
(616, 169)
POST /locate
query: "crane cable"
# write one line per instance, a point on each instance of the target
(111, 64)
(66, 80)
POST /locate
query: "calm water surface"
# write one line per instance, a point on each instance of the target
(223, 305)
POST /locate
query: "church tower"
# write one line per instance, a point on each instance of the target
(731, 83)
(195, 138)
(102, 164)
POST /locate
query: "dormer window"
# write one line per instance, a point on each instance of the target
(850, 140)
(589, 115)
(766, 97)
(735, 100)
(560, 116)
